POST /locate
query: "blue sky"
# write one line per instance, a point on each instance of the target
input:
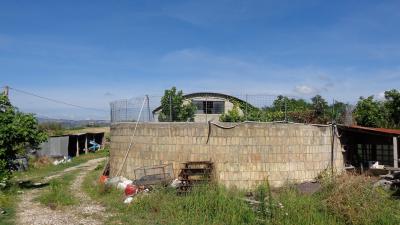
(91, 52)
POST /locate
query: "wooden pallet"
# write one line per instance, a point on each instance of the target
(194, 173)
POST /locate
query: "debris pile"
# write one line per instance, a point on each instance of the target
(154, 175)
(65, 159)
(147, 178)
(125, 185)
(389, 181)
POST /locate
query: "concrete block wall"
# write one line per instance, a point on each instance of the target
(243, 157)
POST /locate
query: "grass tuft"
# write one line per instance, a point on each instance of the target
(58, 193)
(8, 203)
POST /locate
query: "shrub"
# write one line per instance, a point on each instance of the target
(356, 200)
(17, 131)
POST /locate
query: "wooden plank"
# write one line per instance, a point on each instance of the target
(86, 144)
(77, 146)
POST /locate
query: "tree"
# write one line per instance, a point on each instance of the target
(320, 108)
(291, 104)
(370, 113)
(174, 108)
(17, 132)
(392, 105)
(337, 111)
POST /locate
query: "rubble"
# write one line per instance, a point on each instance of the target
(113, 182)
(123, 185)
(176, 183)
(389, 181)
(131, 190)
(128, 200)
(62, 161)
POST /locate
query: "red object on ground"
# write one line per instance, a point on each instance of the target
(103, 179)
(131, 190)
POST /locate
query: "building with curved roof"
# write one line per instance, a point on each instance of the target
(209, 106)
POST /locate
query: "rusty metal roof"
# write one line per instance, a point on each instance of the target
(393, 132)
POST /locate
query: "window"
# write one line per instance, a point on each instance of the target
(384, 154)
(209, 107)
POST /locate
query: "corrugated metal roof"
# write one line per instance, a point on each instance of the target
(380, 130)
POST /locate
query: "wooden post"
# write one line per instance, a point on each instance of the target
(86, 144)
(77, 145)
(395, 153)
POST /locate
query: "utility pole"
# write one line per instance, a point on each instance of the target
(6, 90)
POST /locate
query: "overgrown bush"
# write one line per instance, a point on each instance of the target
(17, 132)
(357, 202)
(297, 110)
(233, 115)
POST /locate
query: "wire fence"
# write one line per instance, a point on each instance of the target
(229, 108)
(194, 107)
(71, 112)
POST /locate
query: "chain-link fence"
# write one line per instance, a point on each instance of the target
(228, 108)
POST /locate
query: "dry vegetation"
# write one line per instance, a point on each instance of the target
(348, 199)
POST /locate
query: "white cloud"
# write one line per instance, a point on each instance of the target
(305, 90)
(380, 95)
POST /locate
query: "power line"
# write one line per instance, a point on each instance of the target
(56, 101)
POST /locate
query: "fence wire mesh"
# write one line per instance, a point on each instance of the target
(221, 107)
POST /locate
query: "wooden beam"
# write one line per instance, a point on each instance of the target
(77, 145)
(86, 145)
(395, 153)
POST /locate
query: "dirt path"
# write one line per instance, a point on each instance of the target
(30, 212)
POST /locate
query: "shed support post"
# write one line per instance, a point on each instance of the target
(395, 153)
(86, 144)
(77, 145)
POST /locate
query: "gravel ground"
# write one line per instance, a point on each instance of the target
(30, 212)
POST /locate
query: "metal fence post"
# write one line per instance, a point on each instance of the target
(286, 119)
(246, 112)
(170, 108)
(333, 112)
(206, 108)
(111, 112)
(126, 110)
(148, 106)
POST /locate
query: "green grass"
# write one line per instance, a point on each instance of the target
(39, 173)
(291, 207)
(347, 200)
(8, 202)
(58, 193)
(9, 196)
(207, 205)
